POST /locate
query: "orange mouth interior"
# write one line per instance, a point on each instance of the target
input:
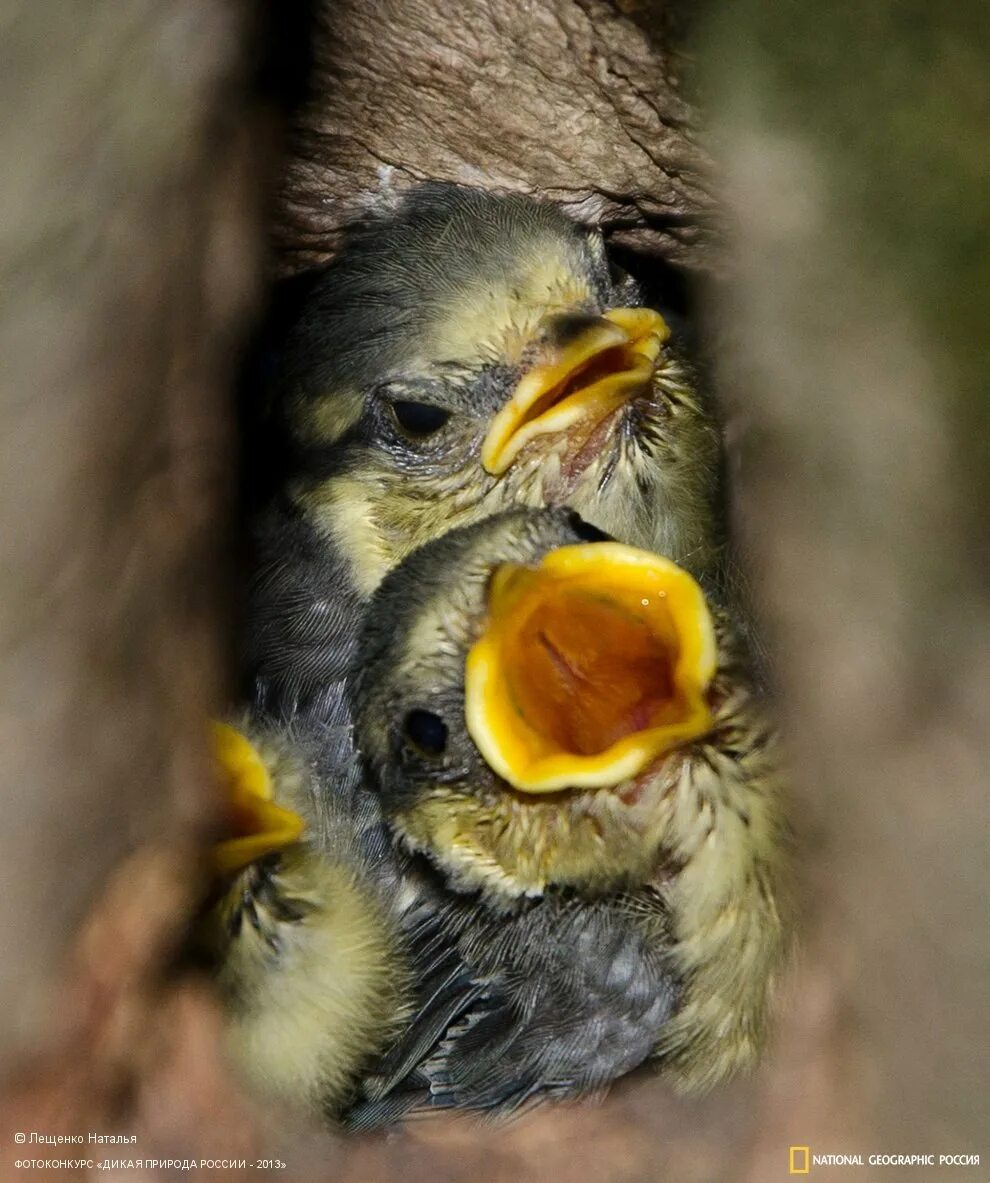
(595, 373)
(590, 667)
(588, 672)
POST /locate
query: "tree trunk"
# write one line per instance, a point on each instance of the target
(129, 260)
(580, 101)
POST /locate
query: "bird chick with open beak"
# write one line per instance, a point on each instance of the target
(300, 932)
(465, 353)
(566, 730)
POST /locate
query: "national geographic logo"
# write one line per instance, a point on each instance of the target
(800, 1160)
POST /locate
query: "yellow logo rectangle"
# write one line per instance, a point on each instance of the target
(799, 1162)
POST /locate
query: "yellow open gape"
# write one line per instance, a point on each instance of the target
(591, 666)
(257, 824)
(593, 375)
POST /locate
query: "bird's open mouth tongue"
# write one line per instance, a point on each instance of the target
(593, 374)
(257, 825)
(591, 666)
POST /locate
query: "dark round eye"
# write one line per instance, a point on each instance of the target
(585, 530)
(427, 731)
(419, 419)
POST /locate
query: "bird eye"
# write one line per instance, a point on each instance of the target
(427, 731)
(419, 419)
(585, 530)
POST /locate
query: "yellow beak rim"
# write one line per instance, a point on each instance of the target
(261, 826)
(591, 666)
(593, 375)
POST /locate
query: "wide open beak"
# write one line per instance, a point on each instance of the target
(591, 666)
(607, 364)
(258, 825)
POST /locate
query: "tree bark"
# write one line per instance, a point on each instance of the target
(580, 101)
(854, 364)
(129, 259)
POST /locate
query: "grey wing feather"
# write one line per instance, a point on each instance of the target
(559, 999)
(303, 619)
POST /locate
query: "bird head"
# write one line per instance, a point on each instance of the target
(467, 353)
(256, 825)
(530, 693)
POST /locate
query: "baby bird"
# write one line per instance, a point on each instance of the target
(566, 732)
(300, 933)
(465, 353)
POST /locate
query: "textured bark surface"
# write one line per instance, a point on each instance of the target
(578, 100)
(128, 254)
(854, 363)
